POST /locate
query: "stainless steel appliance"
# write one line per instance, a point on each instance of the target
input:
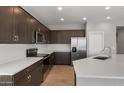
(33, 52)
(78, 48)
(39, 37)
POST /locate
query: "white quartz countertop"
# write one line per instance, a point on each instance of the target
(11, 68)
(46, 52)
(15, 66)
(95, 68)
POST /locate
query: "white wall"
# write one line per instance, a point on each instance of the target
(66, 27)
(109, 29)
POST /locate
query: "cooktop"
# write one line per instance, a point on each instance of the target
(41, 55)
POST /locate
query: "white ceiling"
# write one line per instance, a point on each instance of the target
(49, 15)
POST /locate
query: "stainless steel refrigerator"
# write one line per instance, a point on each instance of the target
(78, 48)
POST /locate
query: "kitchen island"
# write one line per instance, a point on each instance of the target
(96, 72)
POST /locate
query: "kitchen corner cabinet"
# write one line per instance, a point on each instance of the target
(18, 26)
(45, 31)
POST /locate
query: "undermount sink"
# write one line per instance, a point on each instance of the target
(101, 57)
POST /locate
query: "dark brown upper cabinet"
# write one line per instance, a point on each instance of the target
(31, 28)
(45, 31)
(6, 24)
(20, 25)
(64, 36)
(17, 26)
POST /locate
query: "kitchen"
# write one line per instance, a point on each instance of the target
(38, 41)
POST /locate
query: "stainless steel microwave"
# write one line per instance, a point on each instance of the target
(40, 37)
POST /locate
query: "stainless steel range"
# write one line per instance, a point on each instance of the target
(33, 52)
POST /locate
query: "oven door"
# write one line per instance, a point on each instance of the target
(46, 69)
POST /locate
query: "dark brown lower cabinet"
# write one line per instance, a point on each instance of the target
(52, 60)
(24, 81)
(31, 76)
(48, 62)
(62, 58)
(37, 76)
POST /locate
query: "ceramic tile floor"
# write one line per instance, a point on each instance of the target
(60, 75)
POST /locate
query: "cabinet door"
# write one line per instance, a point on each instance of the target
(30, 35)
(48, 36)
(20, 22)
(46, 67)
(37, 76)
(53, 37)
(6, 24)
(62, 58)
(24, 80)
(52, 59)
(32, 76)
(45, 34)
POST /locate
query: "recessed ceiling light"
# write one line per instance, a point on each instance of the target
(108, 17)
(107, 8)
(84, 18)
(60, 8)
(62, 19)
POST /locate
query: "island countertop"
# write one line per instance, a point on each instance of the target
(112, 68)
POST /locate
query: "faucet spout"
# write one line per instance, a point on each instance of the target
(107, 50)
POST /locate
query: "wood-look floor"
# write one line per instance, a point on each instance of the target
(60, 75)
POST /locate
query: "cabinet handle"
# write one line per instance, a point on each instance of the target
(29, 77)
(15, 38)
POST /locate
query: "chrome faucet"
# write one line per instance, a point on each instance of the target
(107, 50)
